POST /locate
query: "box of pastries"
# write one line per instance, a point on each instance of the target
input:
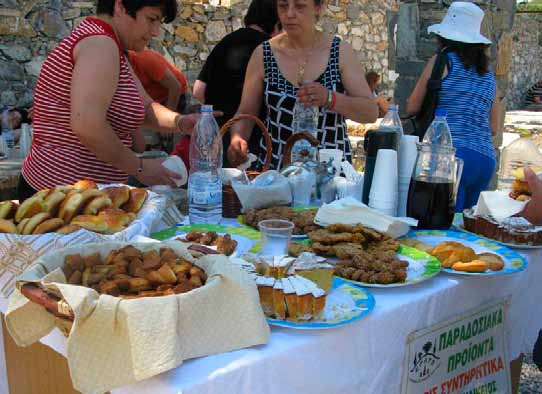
(152, 304)
(68, 215)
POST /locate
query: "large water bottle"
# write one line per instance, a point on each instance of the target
(205, 183)
(438, 132)
(6, 131)
(305, 118)
(520, 153)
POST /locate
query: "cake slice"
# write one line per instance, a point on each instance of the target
(304, 298)
(279, 301)
(318, 296)
(291, 299)
(275, 266)
(265, 290)
(314, 268)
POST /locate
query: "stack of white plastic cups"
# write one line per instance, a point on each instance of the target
(407, 160)
(384, 194)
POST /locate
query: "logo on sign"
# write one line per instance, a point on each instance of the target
(424, 363)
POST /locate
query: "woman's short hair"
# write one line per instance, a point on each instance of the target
(472, 55)
(372, 77)
(262, 13)
(169, 7)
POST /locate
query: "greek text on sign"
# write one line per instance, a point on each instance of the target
(465, 355)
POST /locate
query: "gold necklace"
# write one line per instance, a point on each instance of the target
(301, 65)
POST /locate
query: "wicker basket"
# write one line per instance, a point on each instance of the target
(231, 206)
(303, 135)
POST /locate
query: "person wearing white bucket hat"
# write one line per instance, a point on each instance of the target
(468, 93)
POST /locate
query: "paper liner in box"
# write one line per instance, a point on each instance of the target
(115, 342)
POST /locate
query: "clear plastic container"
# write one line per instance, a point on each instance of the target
(204, 182)
(438, 131)
(520, 153)
(392, 122)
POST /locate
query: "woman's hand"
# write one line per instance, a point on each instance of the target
(533, 209)
(155, 174)
(237, 152)
(312, 94)
(186, 123)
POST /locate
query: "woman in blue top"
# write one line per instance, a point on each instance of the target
(468, 94)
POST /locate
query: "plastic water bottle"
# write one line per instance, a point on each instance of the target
(438, 132)
(204, 182)
(6, 131)
(305, 119)
(392, 122)
(25, 140)
(520, 153)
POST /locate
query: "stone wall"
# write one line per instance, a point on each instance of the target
(526, 67)
(29, 29)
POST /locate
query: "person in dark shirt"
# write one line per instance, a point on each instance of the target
(220, 82)
(533, 99)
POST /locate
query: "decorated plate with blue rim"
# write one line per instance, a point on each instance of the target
(345, 304)
(241, 221)
(513, 261)
(246, 237)
(421, 266)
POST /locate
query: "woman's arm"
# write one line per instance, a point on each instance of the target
(96, 58)
(494, 115)
(415, 101)
(251, 101)
(138, 141)
(199, 91)
(160, 118)
(173, 86)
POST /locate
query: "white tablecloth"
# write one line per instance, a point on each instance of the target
(363, 357)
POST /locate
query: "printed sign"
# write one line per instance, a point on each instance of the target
(465, 355)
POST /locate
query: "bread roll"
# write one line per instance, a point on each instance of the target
(48, 226)
(74, 203)
(42, 194)
(91, 223)
(471, 266)
(494, 261)
(21, 225)
(63, 189)
(52, 202)
(136, 200)
(29, 208)
(34, 221)
(6, 207)
(119, 195)
(116, 219)
(68, 229)
(85, 184)
(7, 226)
(97, 204)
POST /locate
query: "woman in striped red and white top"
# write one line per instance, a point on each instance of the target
(89, 107)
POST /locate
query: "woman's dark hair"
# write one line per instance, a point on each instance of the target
(372, 77)
(472, 55)
(24, 116)
(169, 7)
(262, 13)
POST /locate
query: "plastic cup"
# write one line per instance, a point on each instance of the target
(301, 187)
(275, 236)
(407, 154)
(402, 204)
(385, 176)
(335, 154)
(176, 164)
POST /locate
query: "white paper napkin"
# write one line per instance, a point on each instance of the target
(351, 211)
(498, 205)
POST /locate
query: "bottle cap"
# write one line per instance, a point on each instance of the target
(440, 112)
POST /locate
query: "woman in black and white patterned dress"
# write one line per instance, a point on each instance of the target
(301, 53)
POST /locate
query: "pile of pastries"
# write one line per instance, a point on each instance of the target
(224, 243)
(303, 220)
(462, 258)
(365, 255)
(66, 209)
(131, 273)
